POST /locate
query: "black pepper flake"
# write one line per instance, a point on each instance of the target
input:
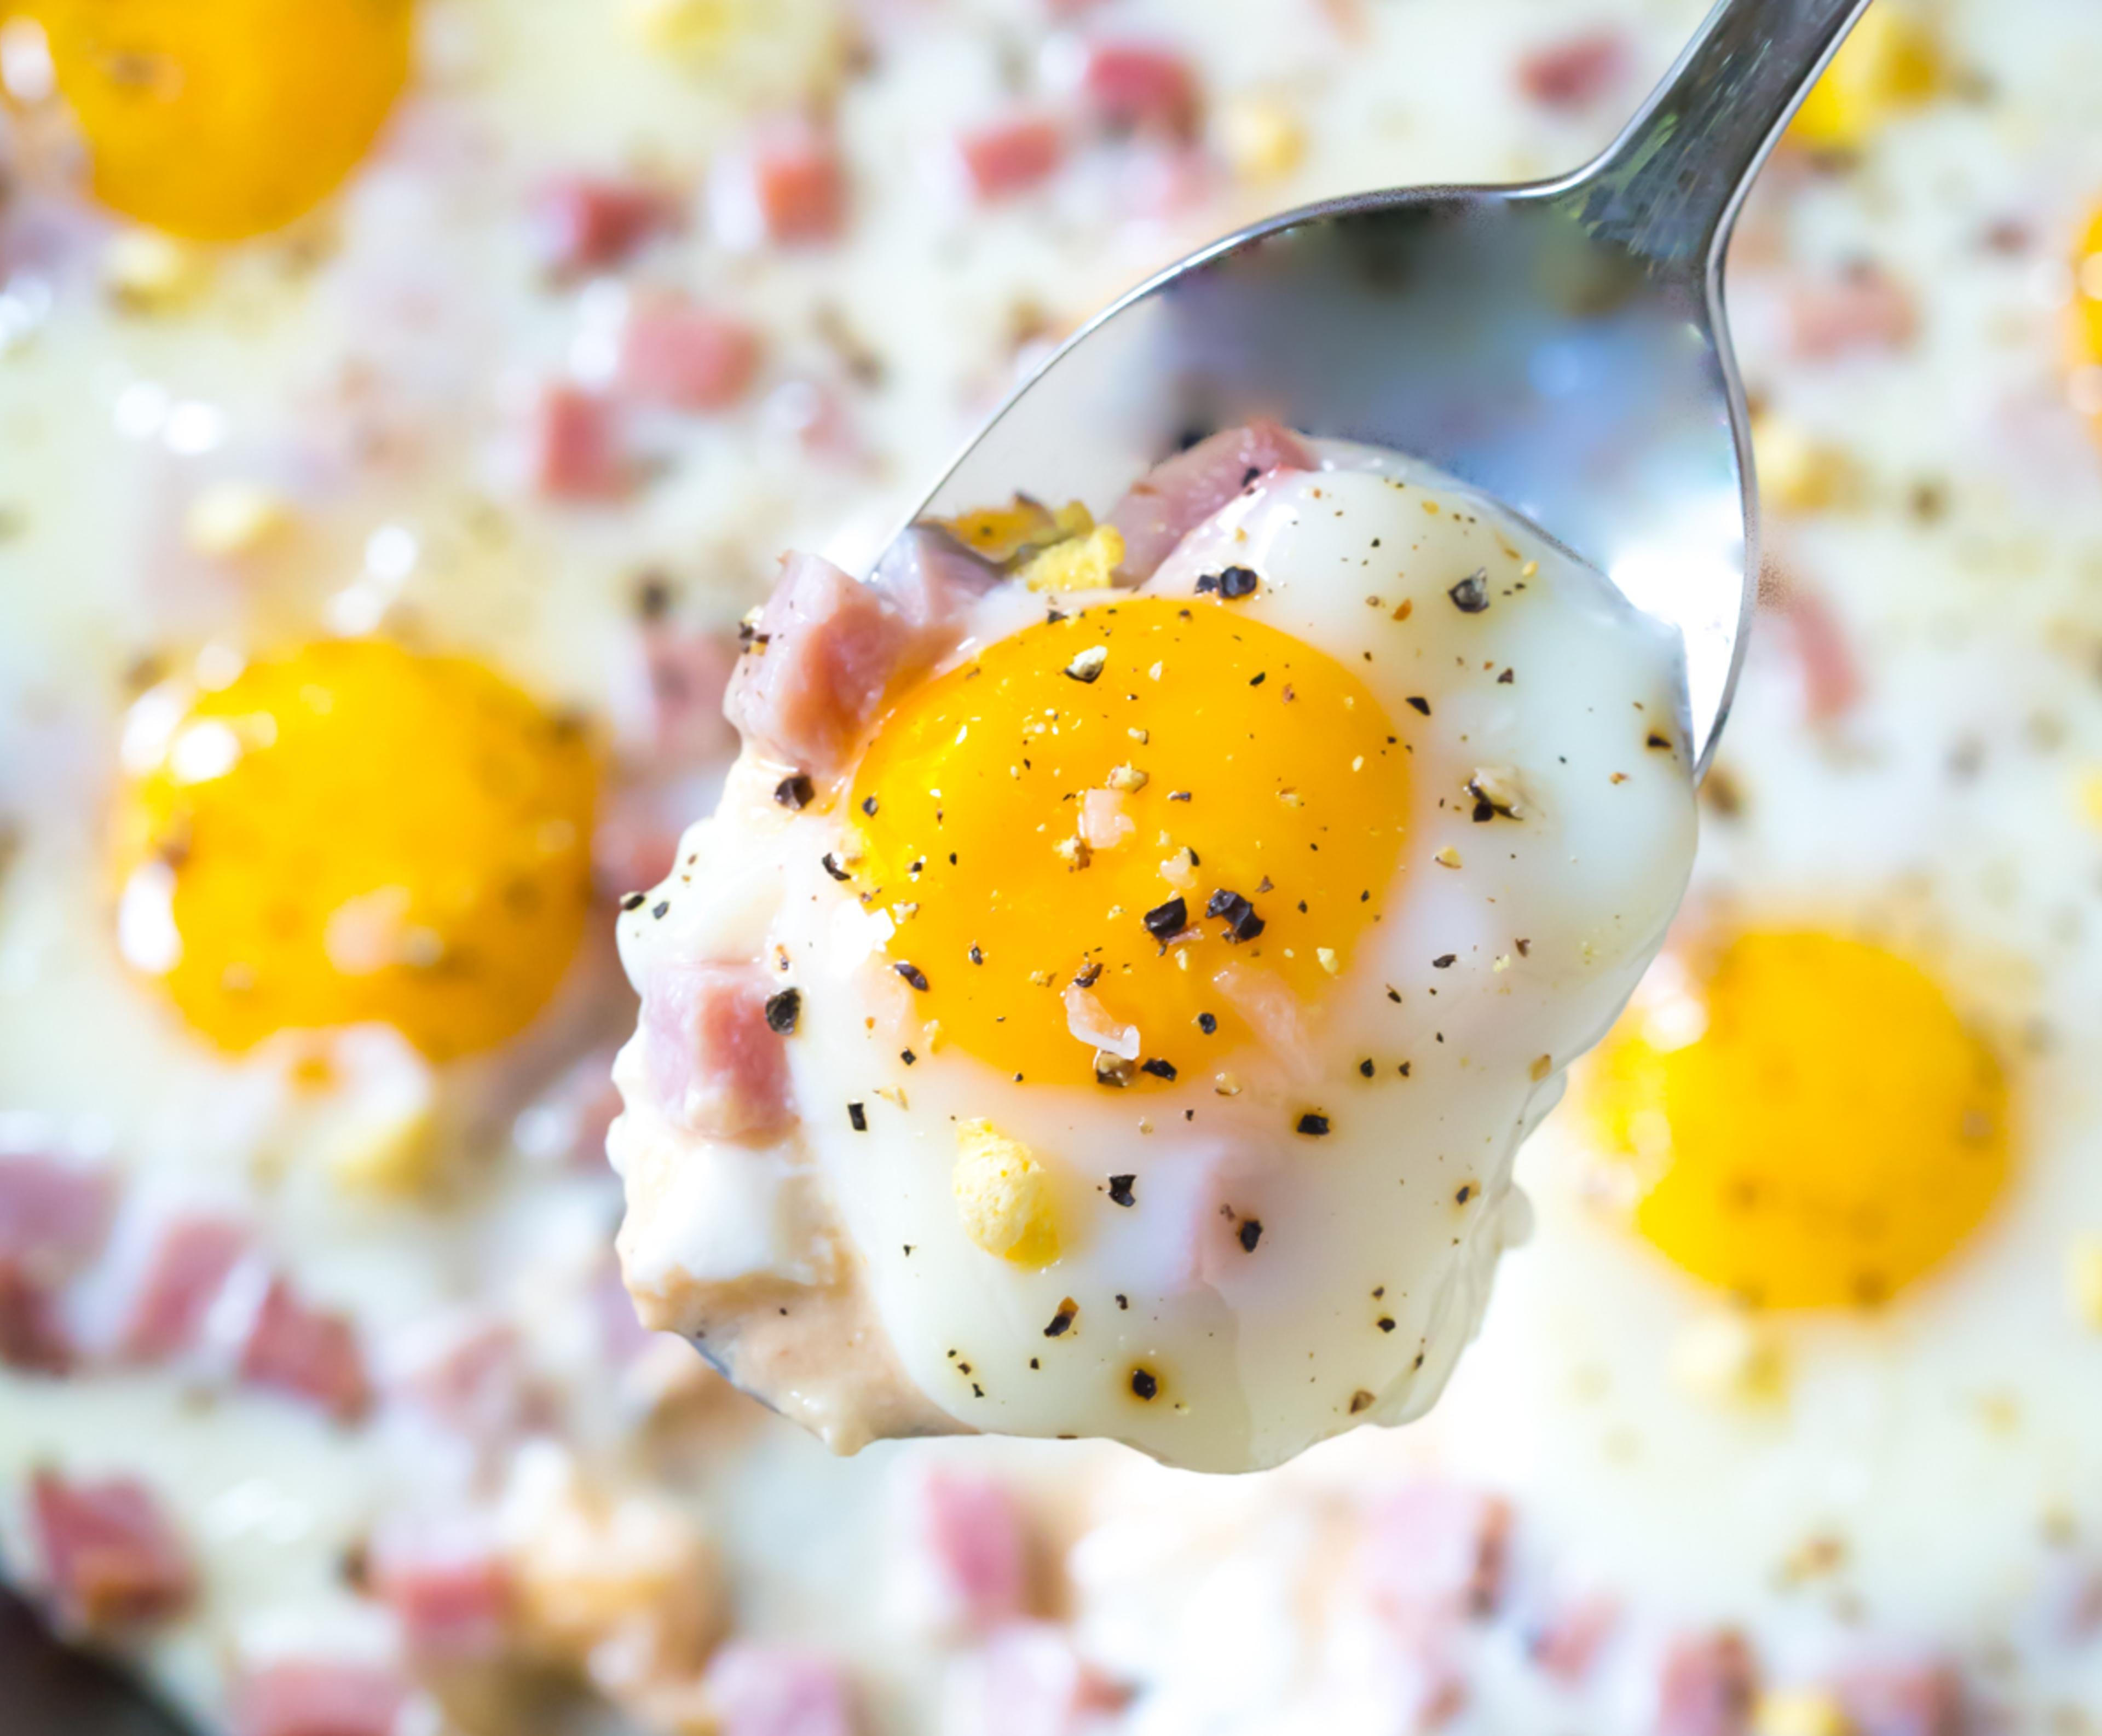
(1660, 741)
(1087, 665)
(912, 974)
(1360, 1400)
(1366, 1067)
(1420, 704)
(1123, 1301)
(1112, 1070)
(1158, 1068)
(1120, 1187)
(1237, 582)
(976, 957)
(795, 791)
(1384, 1323)
(1466, 1192)
(1444, 961)
(868, 806)
(1470, 596)
(1312, 1124)
(1259, 677)
(833, 868)
(782, 1010)
(1393, 995)
(1242, 922)
(661, 910)
(1087, 974)
(1164, 920)
(857, 1117)
(634, 901)
(907, 1056)
(1207, 1023)
(1069, 1310)
(1178, 795)
(1251, 1233)
(1506, 678)
(1144, 1383)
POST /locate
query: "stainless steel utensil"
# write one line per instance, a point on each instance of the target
(1561, 345)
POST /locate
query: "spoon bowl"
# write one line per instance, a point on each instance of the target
(1561, 345)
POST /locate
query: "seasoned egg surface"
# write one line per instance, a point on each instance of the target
(1163, 988)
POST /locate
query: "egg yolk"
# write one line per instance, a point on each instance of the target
(1889, 63)
(215, 120)
(1812, 1126)
(354, 832)
(1107, 799)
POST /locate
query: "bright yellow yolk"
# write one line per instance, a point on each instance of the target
(2085, 329)
(1814, 1129)
(355, 833)
(1266, 758)
(220, 119)
(1890, 63)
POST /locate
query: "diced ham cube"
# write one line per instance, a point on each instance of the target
(789, 186)
(1140, 85)
(306, 1354)
(188, 1269)
(687, 356)
(109, 1559)
(1831, 676)
(1436, 1549)
(53, 1216)
(575, 451)
(673, 711)
(771, 1691)
(320, 1699)
(1864, 308)
(1575, 73)
(474, 1385)
(715, 1064)
(1705, 1687)
(975, 1538)
(1173, 498)
(1905, 1700)
(820, 662)
(1009, 156)
(584, 223)
(452, 1595)
(33, 1336)
(1568, 1643)
(931, 580)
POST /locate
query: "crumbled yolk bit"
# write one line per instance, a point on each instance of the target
(1262, 137)
(978, 774)
(1800, 1711)
(2084, 320)
(215, 120)
(1798, 472)
(1004, 1196)
(1809, 1125)
(1730, 1360)
(353, 833)
(1890, 63)
(1081, 563)
(1002, 534)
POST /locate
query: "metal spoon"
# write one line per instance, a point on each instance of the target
(1561, 345)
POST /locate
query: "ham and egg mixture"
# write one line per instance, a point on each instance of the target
(400, 406)
(1111, 992)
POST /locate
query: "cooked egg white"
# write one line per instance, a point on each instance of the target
(1203, 953)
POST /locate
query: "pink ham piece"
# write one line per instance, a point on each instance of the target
(1705, 1687)
(686, 357)
(715, 1065)
(578, 223)
(1140, 85)
(1568, 1643)
(188, 1269)
(1009, 156)
(975, 1539)
(788, 188)
(1173, 498)
(322, 1699)
(1863, 308)
(1436, 1549)
(819, 663)
(773, 1690)
(476, 1386)
(1832, 680)
(931, 580)
(1903, 1699)
(573, 447)
(1027, 1679)
(306, 1354)
(54, 1218)
(109, 1559)
(1575, 73)
(452, 1596)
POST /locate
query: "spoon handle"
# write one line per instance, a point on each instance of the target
(1667, 188)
